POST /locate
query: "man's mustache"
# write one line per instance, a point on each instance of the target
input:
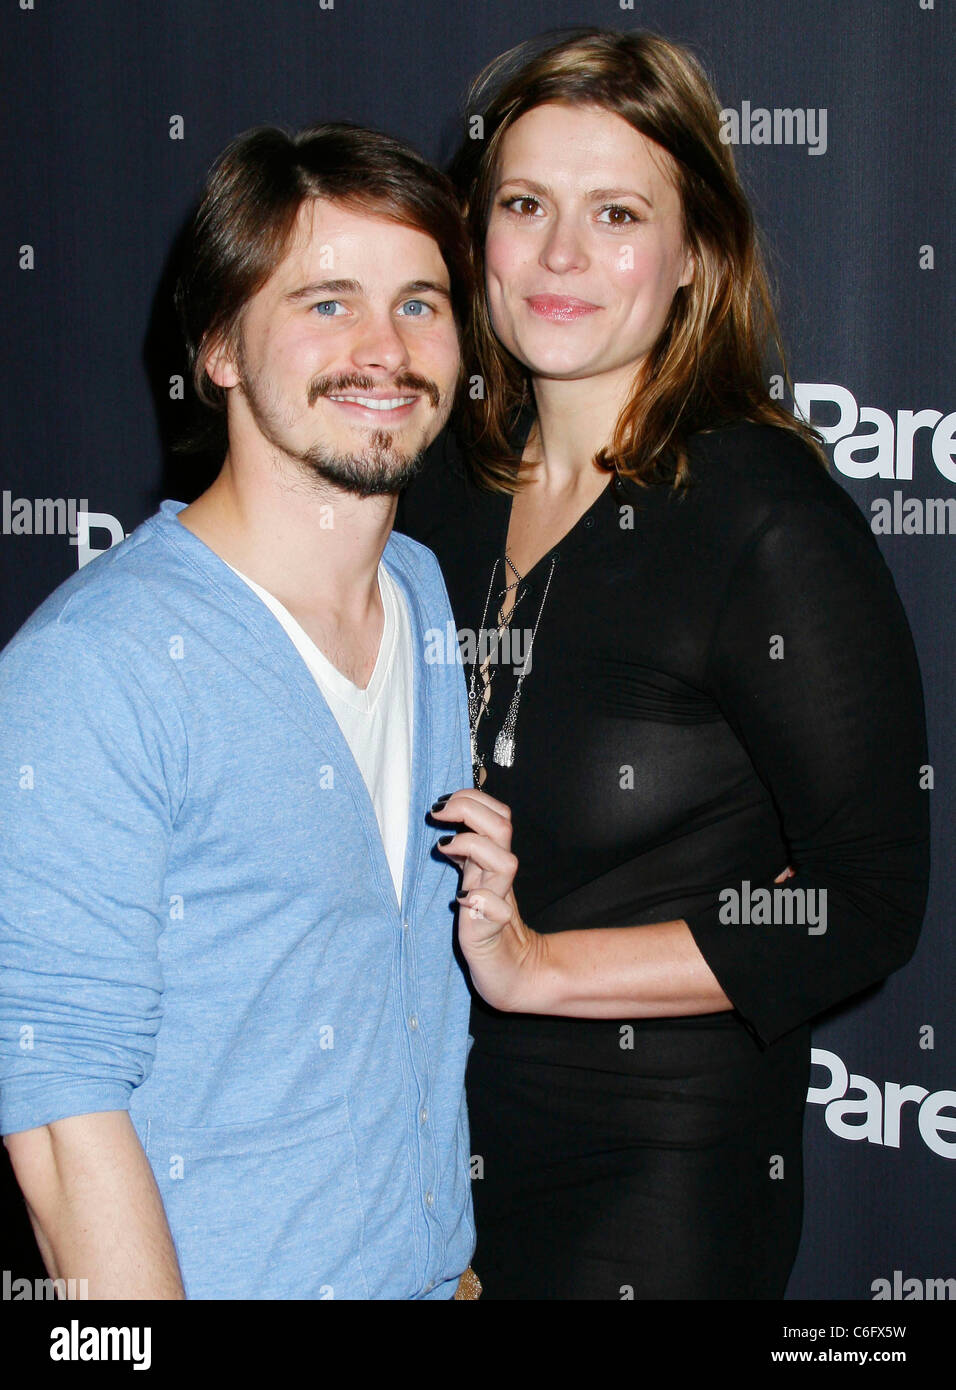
(339, 385)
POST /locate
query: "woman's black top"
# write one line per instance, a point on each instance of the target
(722, 683)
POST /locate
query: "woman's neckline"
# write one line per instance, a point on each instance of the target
(576, 532)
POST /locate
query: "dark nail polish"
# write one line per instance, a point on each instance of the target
(440, 802)
(445, 839)
(462, 895)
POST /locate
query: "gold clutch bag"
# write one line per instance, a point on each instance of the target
(469, 1285)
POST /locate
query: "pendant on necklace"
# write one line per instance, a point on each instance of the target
(504, 750)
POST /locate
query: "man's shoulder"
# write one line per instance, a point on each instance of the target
(124, 591)
(417, 565)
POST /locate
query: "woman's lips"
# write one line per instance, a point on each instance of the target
(560, 308)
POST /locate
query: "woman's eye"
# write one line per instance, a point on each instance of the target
(326, 309)
(619, 217)
(417, 308)
(520, 204)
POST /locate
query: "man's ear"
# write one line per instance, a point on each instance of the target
(221, 366)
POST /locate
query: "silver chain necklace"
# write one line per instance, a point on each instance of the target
(504, 750)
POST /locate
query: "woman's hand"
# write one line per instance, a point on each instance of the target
(504, 956)
(619, 972)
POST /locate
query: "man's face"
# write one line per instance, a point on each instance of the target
(349, 354)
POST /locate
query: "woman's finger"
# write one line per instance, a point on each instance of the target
(481, 799)
(470, 876)
(479, 816)
(480, 905)
(490, 857)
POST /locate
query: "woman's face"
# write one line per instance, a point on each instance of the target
(584, 249)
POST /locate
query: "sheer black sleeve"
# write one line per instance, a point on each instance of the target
(813, 665)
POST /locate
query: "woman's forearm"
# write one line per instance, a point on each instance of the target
(654, 971)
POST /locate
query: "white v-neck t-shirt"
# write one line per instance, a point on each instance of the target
(377, 722)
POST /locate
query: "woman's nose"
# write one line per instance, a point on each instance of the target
(563, 249)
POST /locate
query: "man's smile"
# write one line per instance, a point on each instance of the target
(395, 407)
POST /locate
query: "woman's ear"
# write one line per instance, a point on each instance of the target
(689, 268)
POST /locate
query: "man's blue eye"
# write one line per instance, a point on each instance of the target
(327, 304)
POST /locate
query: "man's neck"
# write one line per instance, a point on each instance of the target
(313, 546)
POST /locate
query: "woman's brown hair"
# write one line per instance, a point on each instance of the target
(707, 366)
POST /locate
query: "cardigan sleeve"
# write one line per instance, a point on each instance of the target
(813, 665)
(85, 822)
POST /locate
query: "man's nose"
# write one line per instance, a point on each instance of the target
(379, 343)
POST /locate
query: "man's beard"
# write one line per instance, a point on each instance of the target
(379, 469)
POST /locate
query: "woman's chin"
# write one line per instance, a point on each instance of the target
(559, 366)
